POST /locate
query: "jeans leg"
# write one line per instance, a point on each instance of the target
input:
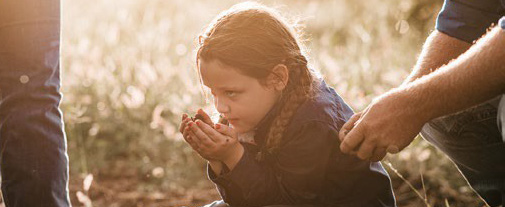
(33, 159)
(501, 117)
(219, 203)
(474, 143)
(501, 126)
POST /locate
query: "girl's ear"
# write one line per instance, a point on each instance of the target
(279, 77)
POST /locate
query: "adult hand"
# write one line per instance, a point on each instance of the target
(388, 124)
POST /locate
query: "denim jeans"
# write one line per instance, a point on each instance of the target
(474, 140)
(33, 159)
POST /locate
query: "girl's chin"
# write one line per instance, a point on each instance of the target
(240, 129)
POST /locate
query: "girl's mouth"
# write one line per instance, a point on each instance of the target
(232, 121)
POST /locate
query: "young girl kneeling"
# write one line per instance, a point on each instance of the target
(251, 61)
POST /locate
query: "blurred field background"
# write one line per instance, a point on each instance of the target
(129, 73)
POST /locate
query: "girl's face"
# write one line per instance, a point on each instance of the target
(239, 98)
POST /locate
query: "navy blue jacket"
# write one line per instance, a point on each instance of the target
(309, 167)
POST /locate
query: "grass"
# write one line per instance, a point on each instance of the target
(129, 73)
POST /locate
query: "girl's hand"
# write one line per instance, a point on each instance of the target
(185, 133)
(215, 165)
(218, 143)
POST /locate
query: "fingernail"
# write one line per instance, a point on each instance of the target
(198, 123)
(184, 116)
(218, 126)
(190, 124)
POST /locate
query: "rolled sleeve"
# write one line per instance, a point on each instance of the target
(502, 22)
(468, 20)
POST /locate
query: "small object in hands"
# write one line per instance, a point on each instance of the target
(393, 149)
(197, 117)
(223, 120)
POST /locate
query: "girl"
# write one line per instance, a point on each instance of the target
(251, 61)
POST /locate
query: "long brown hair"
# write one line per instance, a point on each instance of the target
(254, 39)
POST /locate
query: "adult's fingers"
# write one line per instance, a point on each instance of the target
(348, 126)
(393, 149)
(366, 150)
(379, 154)
(206, 117)
(352, 140)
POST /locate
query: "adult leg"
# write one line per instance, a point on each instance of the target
(501, 117)
(221, 203)
(33, 159)
(473, 141)
(501, 126)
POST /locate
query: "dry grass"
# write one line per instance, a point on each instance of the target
(128, 73)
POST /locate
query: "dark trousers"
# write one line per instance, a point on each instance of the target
(221, 203)
(33, 159)
(475, 141)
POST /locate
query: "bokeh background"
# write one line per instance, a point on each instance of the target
(129, 73)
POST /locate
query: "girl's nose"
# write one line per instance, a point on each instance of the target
(221, 106)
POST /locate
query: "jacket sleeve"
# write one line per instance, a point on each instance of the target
(468, 20)
(294, 175)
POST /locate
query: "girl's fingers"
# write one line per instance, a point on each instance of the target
(197, 145)
(184, 123)
(206, 117)
(200, 135)
(185, 134)
(209, 131)
(189, 139)
(226, 130)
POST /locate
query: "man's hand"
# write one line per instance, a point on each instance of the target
(389, 124)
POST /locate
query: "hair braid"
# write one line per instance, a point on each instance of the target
(254, 39)
(299, 90)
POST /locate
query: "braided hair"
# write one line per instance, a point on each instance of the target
(254, 39)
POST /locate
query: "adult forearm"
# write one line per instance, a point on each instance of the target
(438, 50)
(474, 77)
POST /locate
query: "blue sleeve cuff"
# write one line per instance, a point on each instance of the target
(467, 20)
(502, 22)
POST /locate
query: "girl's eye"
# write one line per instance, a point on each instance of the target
(230, 93)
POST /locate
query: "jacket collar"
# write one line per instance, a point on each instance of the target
(261, 130)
